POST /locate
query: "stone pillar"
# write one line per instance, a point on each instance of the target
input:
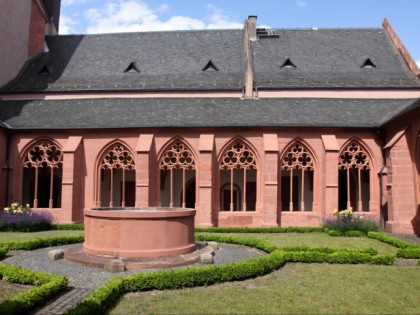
(71, 206)
(401, 194)
(205, 200)
(143, 174)
(330, 173)
(270, 180)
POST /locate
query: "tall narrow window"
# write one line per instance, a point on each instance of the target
(238, 178)
(177, 167)
(297, 167)
(117, 177)
(42, 175)
(354, 178)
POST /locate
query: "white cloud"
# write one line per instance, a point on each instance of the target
(418, 63)
(301, 3)
(135, 16)
(67, 25)
(66, 3)
(163, 8)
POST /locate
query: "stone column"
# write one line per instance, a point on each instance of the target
(270, 177)
(330, 173)
(205, 202)
(71, 206)
(143, 172)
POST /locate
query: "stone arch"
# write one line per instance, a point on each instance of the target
(40, 173)
(355, 163)
(298, 171)
(177, 165)
(117, 159)
(239, 164)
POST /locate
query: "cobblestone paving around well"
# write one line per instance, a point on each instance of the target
(83, 280)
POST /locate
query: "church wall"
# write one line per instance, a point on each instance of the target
(3, 170)
(83, 148)
(403, 180)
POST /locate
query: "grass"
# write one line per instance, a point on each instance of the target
(320, 239)
(20, 236)
(294, 289)
(9, 290)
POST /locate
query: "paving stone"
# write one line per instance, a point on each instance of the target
(215, 245)
(206, 259)
(56, 254)
(114, 265)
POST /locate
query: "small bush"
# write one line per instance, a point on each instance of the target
(19, 218)
(42, 242)
(410, 252)
(69, 227)
(348, 257)
(386, 259)
(289, 229)
(45, 287)
(391, 240)
(346, 221)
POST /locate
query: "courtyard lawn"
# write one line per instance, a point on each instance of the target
(9, 290)
(319, 240)
(28, 236)
(294, 289)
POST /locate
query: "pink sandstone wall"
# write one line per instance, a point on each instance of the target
(14, 26)
(403, 167)
(36, 30)
(81, 151)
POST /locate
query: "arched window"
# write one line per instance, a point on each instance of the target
(42, 174)
(238, 168)
(117, 177)
(297, 178)
(354, 178)
(178, 161)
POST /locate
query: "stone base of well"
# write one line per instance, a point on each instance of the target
(76, 255)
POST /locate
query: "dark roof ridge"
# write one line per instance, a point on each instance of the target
(315, 28)
(231, 30)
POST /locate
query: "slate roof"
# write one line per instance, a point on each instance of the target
(201, 112)
(171, 60)
(330, 58)
(174, 60)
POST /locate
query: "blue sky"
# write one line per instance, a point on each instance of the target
(98, 16)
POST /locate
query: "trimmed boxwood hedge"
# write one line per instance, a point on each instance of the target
(396, 242)
(69, 226)
(278, 229)
(45, 287)
(411, 252)
(42, 242)
(104, 297)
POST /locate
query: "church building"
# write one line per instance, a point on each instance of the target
(251, 127)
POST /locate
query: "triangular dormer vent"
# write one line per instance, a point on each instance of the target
(368, 64)
(132, 68)
(288, 64)
(210, 66)
(45, 70)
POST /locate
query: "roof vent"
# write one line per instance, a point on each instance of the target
(210, 66)
(288, 64)
(132, 68)
(368, 64)
(267, 33)
(45, 70)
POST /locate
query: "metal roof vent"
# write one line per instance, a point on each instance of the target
(368, 64)
(288, 64)
(132, 68)
(267, 33)
(210, 66)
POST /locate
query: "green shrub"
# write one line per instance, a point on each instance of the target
(411, 252)
(289, 229)
(42, 242)
(305, 257)
(348, 257)
(386, 259)
(69, 227)
(45, 287)
(252, 242)
(390, 240)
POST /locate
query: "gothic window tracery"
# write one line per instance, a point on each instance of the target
(240, 158)
(44, 157)
(297, 158)
(354, 165)
(116, 159)
(178, 157)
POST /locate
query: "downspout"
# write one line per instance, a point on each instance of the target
(381, 174)
(7, 168)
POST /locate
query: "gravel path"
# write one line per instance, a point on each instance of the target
(83, 280)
